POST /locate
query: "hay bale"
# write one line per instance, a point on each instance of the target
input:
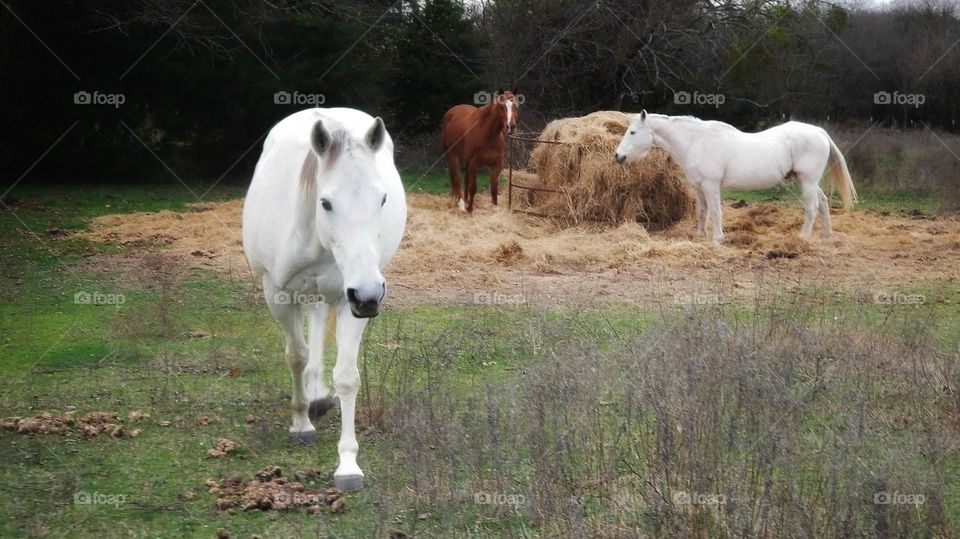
(596, 188)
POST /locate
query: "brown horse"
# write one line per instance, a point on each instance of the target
(475, 135)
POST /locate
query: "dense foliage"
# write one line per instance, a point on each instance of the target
(192, 86)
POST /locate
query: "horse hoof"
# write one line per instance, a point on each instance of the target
(321, 406)
(461, 206)
(303, 438)
(348, 483)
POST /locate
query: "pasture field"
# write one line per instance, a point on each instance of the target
(740, 394)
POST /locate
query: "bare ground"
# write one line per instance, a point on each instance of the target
(502, 257)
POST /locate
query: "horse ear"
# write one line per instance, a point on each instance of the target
(320, 138)
(643, 115)
(376, 134)
(499, 90)
(514, 89)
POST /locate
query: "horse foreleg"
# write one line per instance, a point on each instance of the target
(318, 396)
(495, 183)
(290, 317)
(453, 168)
(701, 212)
(711, 193)
(346, 381)
(823, 204)
(472, 169)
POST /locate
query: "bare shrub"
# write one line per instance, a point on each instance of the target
(893, 160)
(790, 421)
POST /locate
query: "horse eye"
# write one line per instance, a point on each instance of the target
(384, 201)
(633, 132)
(326, 204)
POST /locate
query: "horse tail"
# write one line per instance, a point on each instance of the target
(840, 176)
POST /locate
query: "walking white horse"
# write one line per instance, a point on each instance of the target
(715, 155)
(324, 214)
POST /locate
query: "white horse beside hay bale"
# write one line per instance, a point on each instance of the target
(715, 155)
(324, 214)
(574, 159)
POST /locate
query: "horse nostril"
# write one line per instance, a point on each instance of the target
(352, 296)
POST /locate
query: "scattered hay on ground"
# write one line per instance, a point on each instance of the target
(270, 491)
(447, 256)
(596, 188)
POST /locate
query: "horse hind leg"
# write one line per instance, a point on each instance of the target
(811, 201)
(453, 168)
(823, 204)
(318, 395)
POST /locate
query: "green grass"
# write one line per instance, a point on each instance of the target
(139, 356)
(434, 181)
(902, 202)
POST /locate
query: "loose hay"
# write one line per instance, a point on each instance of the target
(447, 256)
(594, 187)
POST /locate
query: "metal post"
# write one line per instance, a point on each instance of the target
(509, 173)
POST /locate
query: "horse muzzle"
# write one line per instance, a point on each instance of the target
(364, 304)
(619, 158)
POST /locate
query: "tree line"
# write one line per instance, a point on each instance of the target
(141, 87)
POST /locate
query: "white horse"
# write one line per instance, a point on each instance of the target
(324, 213)
(715, 155)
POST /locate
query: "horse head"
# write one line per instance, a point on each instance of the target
(508, 103)
(350, 200)
(636, 142)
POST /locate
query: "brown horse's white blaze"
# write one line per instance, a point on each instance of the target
(475, 135)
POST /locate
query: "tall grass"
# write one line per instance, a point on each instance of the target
(892, 160)
(793, 422)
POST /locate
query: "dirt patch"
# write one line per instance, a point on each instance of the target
(449, 257)
(270, 491)
(89, 425)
